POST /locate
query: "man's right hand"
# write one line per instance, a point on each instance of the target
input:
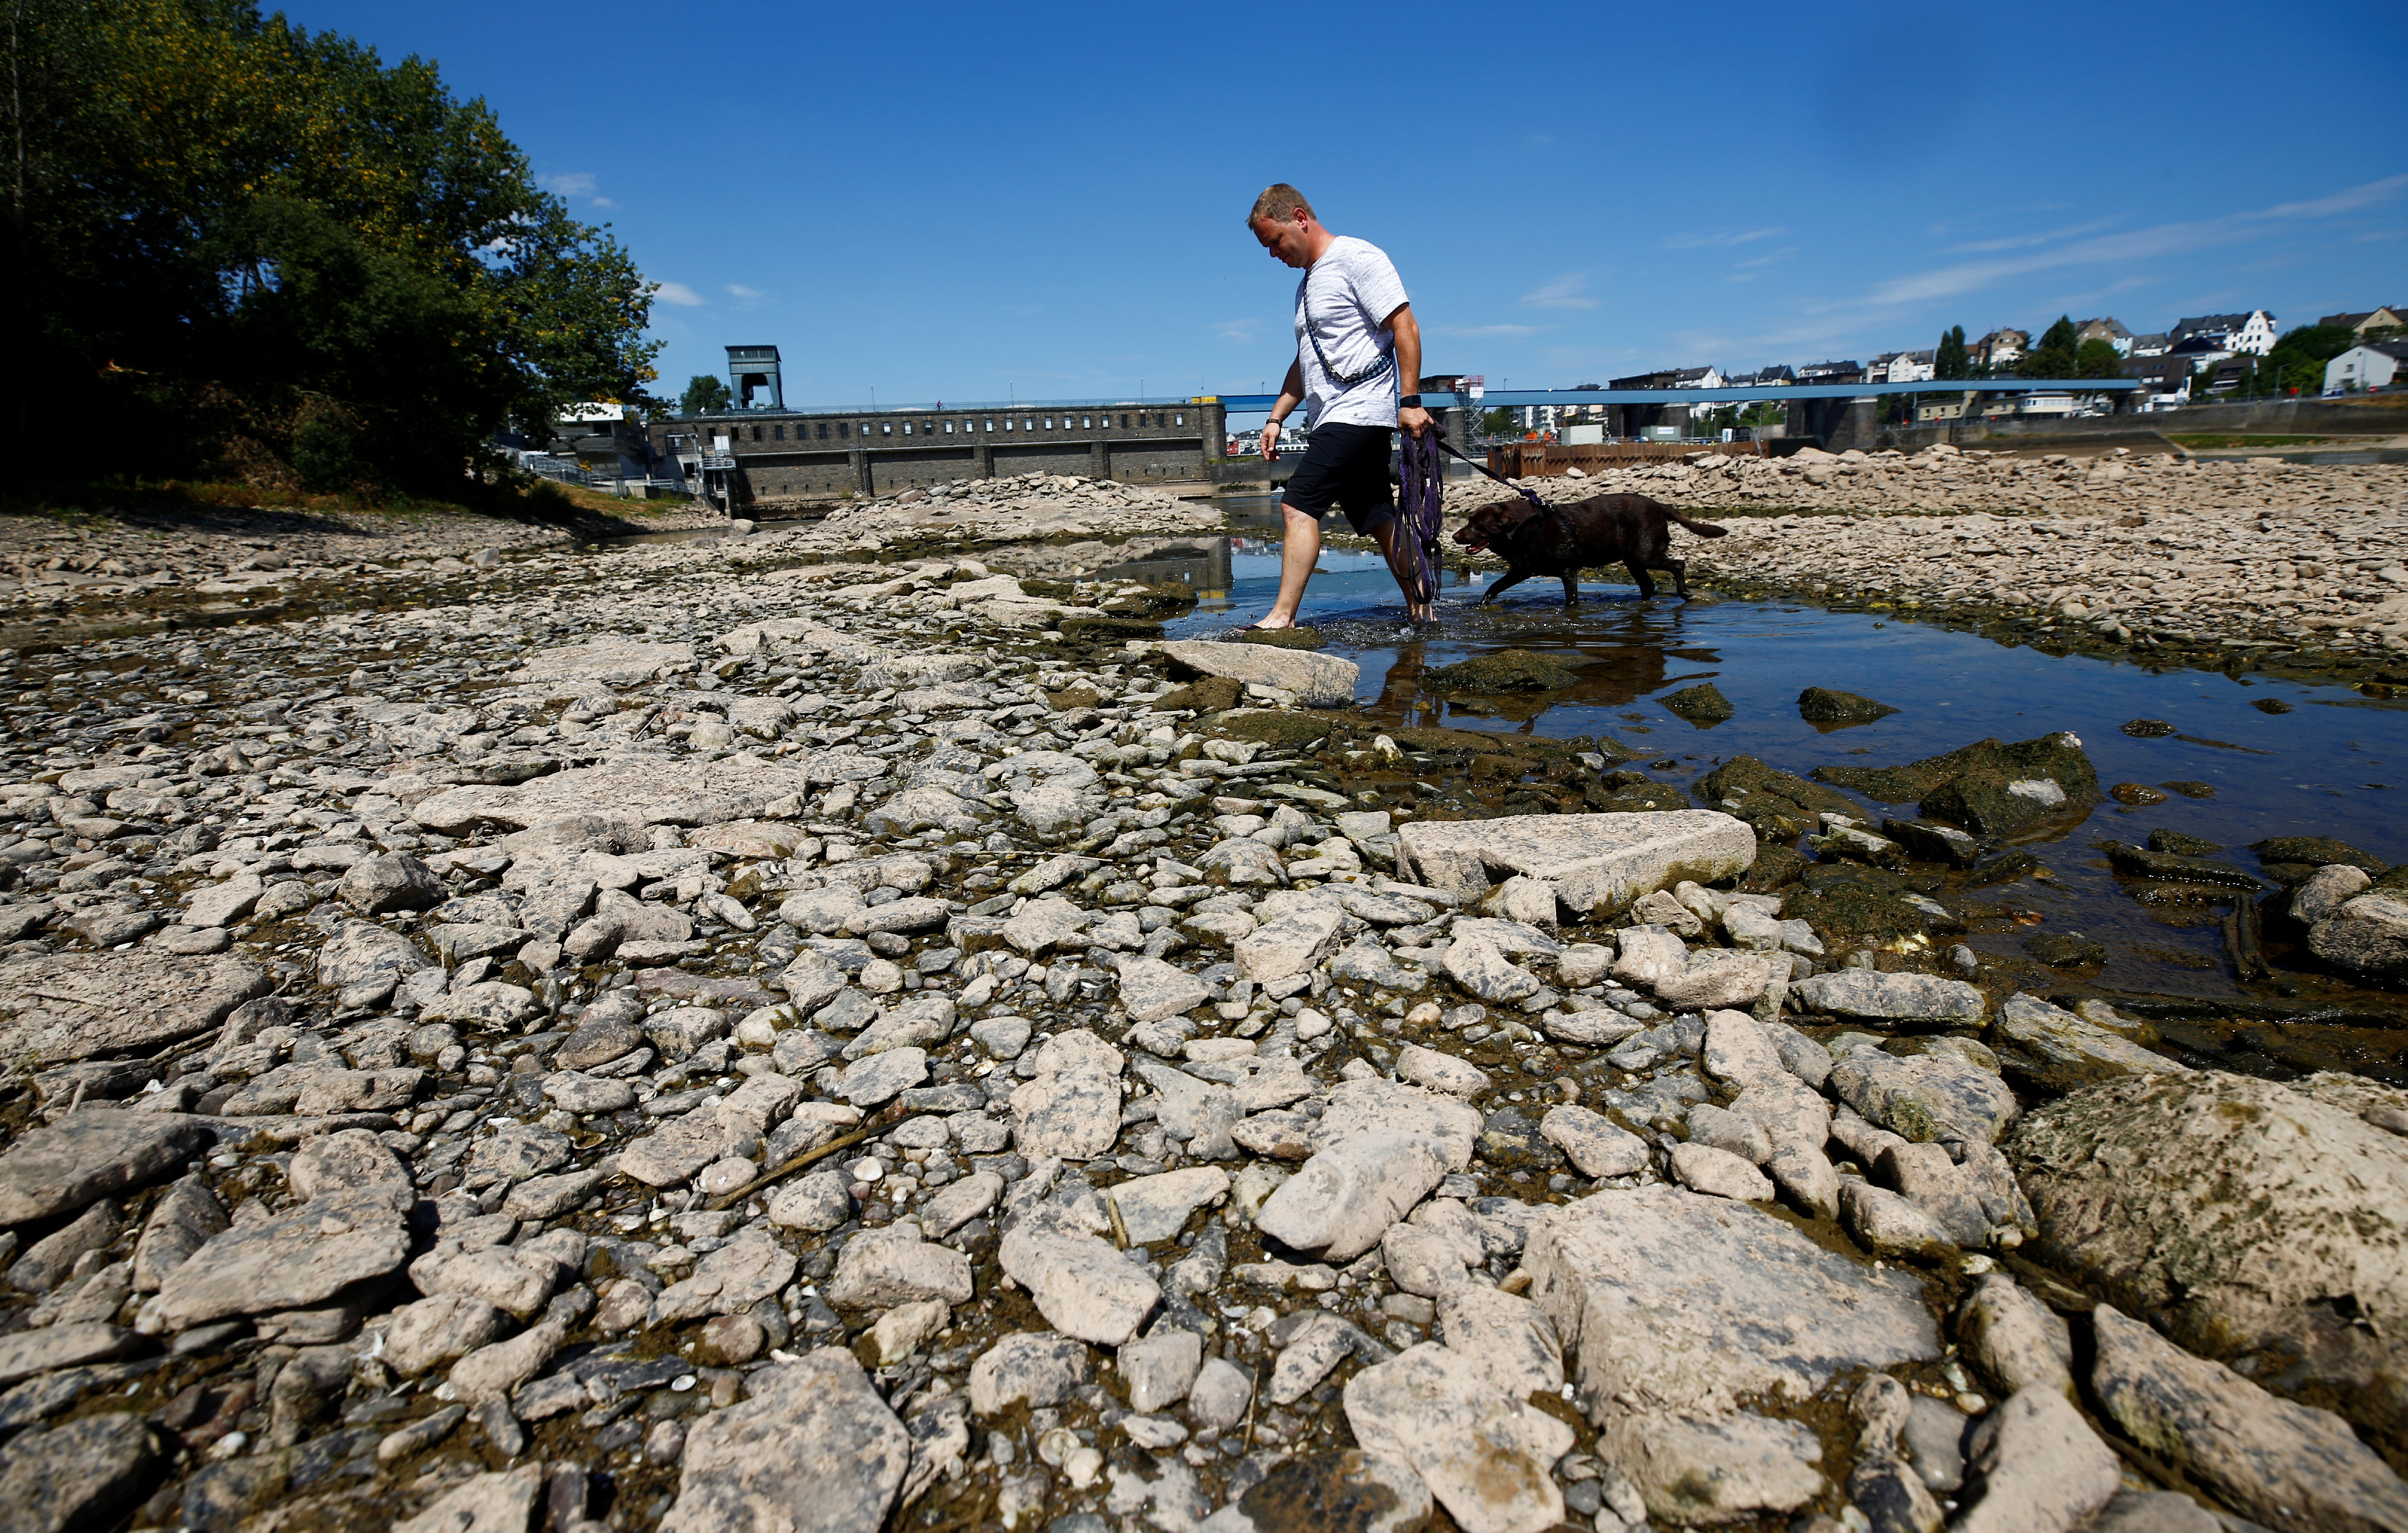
(1270, 440)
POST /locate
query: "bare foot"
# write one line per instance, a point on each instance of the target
(1270, 626)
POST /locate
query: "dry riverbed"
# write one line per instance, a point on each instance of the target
(813, 1030)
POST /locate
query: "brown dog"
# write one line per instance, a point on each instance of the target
(1599, 530)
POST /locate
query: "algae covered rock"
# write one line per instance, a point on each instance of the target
(1507, 670)
(1781, 805)
(1703, 705)
(1823, 705)
(2241, 1217)
(1990, 787)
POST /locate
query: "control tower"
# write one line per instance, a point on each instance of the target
(750, 369)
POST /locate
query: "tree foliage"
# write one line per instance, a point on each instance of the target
(704, 395)
(262, 252)
(2298, 359)
(2098, 358)
(1949, 359)
(2056, 354)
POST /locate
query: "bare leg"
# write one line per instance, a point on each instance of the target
(1297, 556)
(1399, 552)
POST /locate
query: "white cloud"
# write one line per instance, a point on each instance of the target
(678, 293)
(1563, 293)
(740, 291)
(1782, 254)
(2018, 242)
(2136, 245)
(1691, 242)
(1485, 331)
(2372, 234)
(605, 202)
(1239, 330)
(576, 183)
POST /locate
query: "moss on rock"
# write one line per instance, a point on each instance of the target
(1825, 705)
(1507, 670)
(1703, 705)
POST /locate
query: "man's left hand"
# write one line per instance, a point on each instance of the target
(1413, 419)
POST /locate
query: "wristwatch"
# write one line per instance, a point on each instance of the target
(1411, 401)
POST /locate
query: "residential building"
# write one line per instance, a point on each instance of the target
(2389, 317)
(1999, 349)
(1672, 377)
(2371, 366)
(2253, 332)
(1764, 377)
(1940, 406)
(1905, 368)
(2165, 373)
(2108, 330)
(2149, 345)
(1832, 372)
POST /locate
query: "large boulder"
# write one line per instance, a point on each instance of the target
(2241, 1217)
(2368, 935)
(1318, 681)
(653, 790)
(1878, 999)
(1599, 864)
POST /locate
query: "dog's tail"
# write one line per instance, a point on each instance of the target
(1703, 529)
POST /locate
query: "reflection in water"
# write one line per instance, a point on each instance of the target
(2334, 765)
(1202, 563)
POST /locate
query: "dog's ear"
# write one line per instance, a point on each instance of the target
(1512, 513)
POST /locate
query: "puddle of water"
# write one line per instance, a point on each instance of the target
(2337, 765)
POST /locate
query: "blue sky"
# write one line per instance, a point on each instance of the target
(976, 202)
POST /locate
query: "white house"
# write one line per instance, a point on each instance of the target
(2253, 332)
(1913, 366)
(2362, 367)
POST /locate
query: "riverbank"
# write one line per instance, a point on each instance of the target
(2155, 553)
(807, 1020)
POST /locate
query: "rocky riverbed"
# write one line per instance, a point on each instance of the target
(2150, 551)
(763, 1033)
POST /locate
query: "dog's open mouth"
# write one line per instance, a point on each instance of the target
(1472, 542)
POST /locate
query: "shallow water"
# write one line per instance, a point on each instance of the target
(2337, 765)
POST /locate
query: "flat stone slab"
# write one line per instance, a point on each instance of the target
(1599, 863)
(1870, 996)
(92, 1155)
(813, 1447)
(297, 1259)
(1485, 1456)
(1671, 1301)
(655, 790)
(1318, 681)
(68, 1006)
(617, 662)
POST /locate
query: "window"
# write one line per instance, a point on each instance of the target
(1049, 422)
(907, 428)
(1181, 420)
(779, 431)
(1084, 422)
(756, 434)
(948, 428)
(886, 428)
(1124, 422)
(1028, 425)
(990, 425)
(1007, 423)
(823, 431)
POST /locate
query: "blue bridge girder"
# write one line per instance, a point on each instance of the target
(1240, 404)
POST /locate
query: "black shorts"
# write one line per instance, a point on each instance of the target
(1346, 467)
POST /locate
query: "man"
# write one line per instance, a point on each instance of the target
(1356, 340)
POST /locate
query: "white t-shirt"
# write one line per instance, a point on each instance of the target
(1345, 296)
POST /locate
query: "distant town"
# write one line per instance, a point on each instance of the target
(2198, 359)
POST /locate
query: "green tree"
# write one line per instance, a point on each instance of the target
(704, 395)
(1949, 359)
(2055, 356)
(241, 240)
(1498, 422)
(2298, 359)
(2098, 358)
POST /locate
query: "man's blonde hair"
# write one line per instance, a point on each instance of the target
(1279, 203)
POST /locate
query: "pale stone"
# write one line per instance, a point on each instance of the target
(1599, 863)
